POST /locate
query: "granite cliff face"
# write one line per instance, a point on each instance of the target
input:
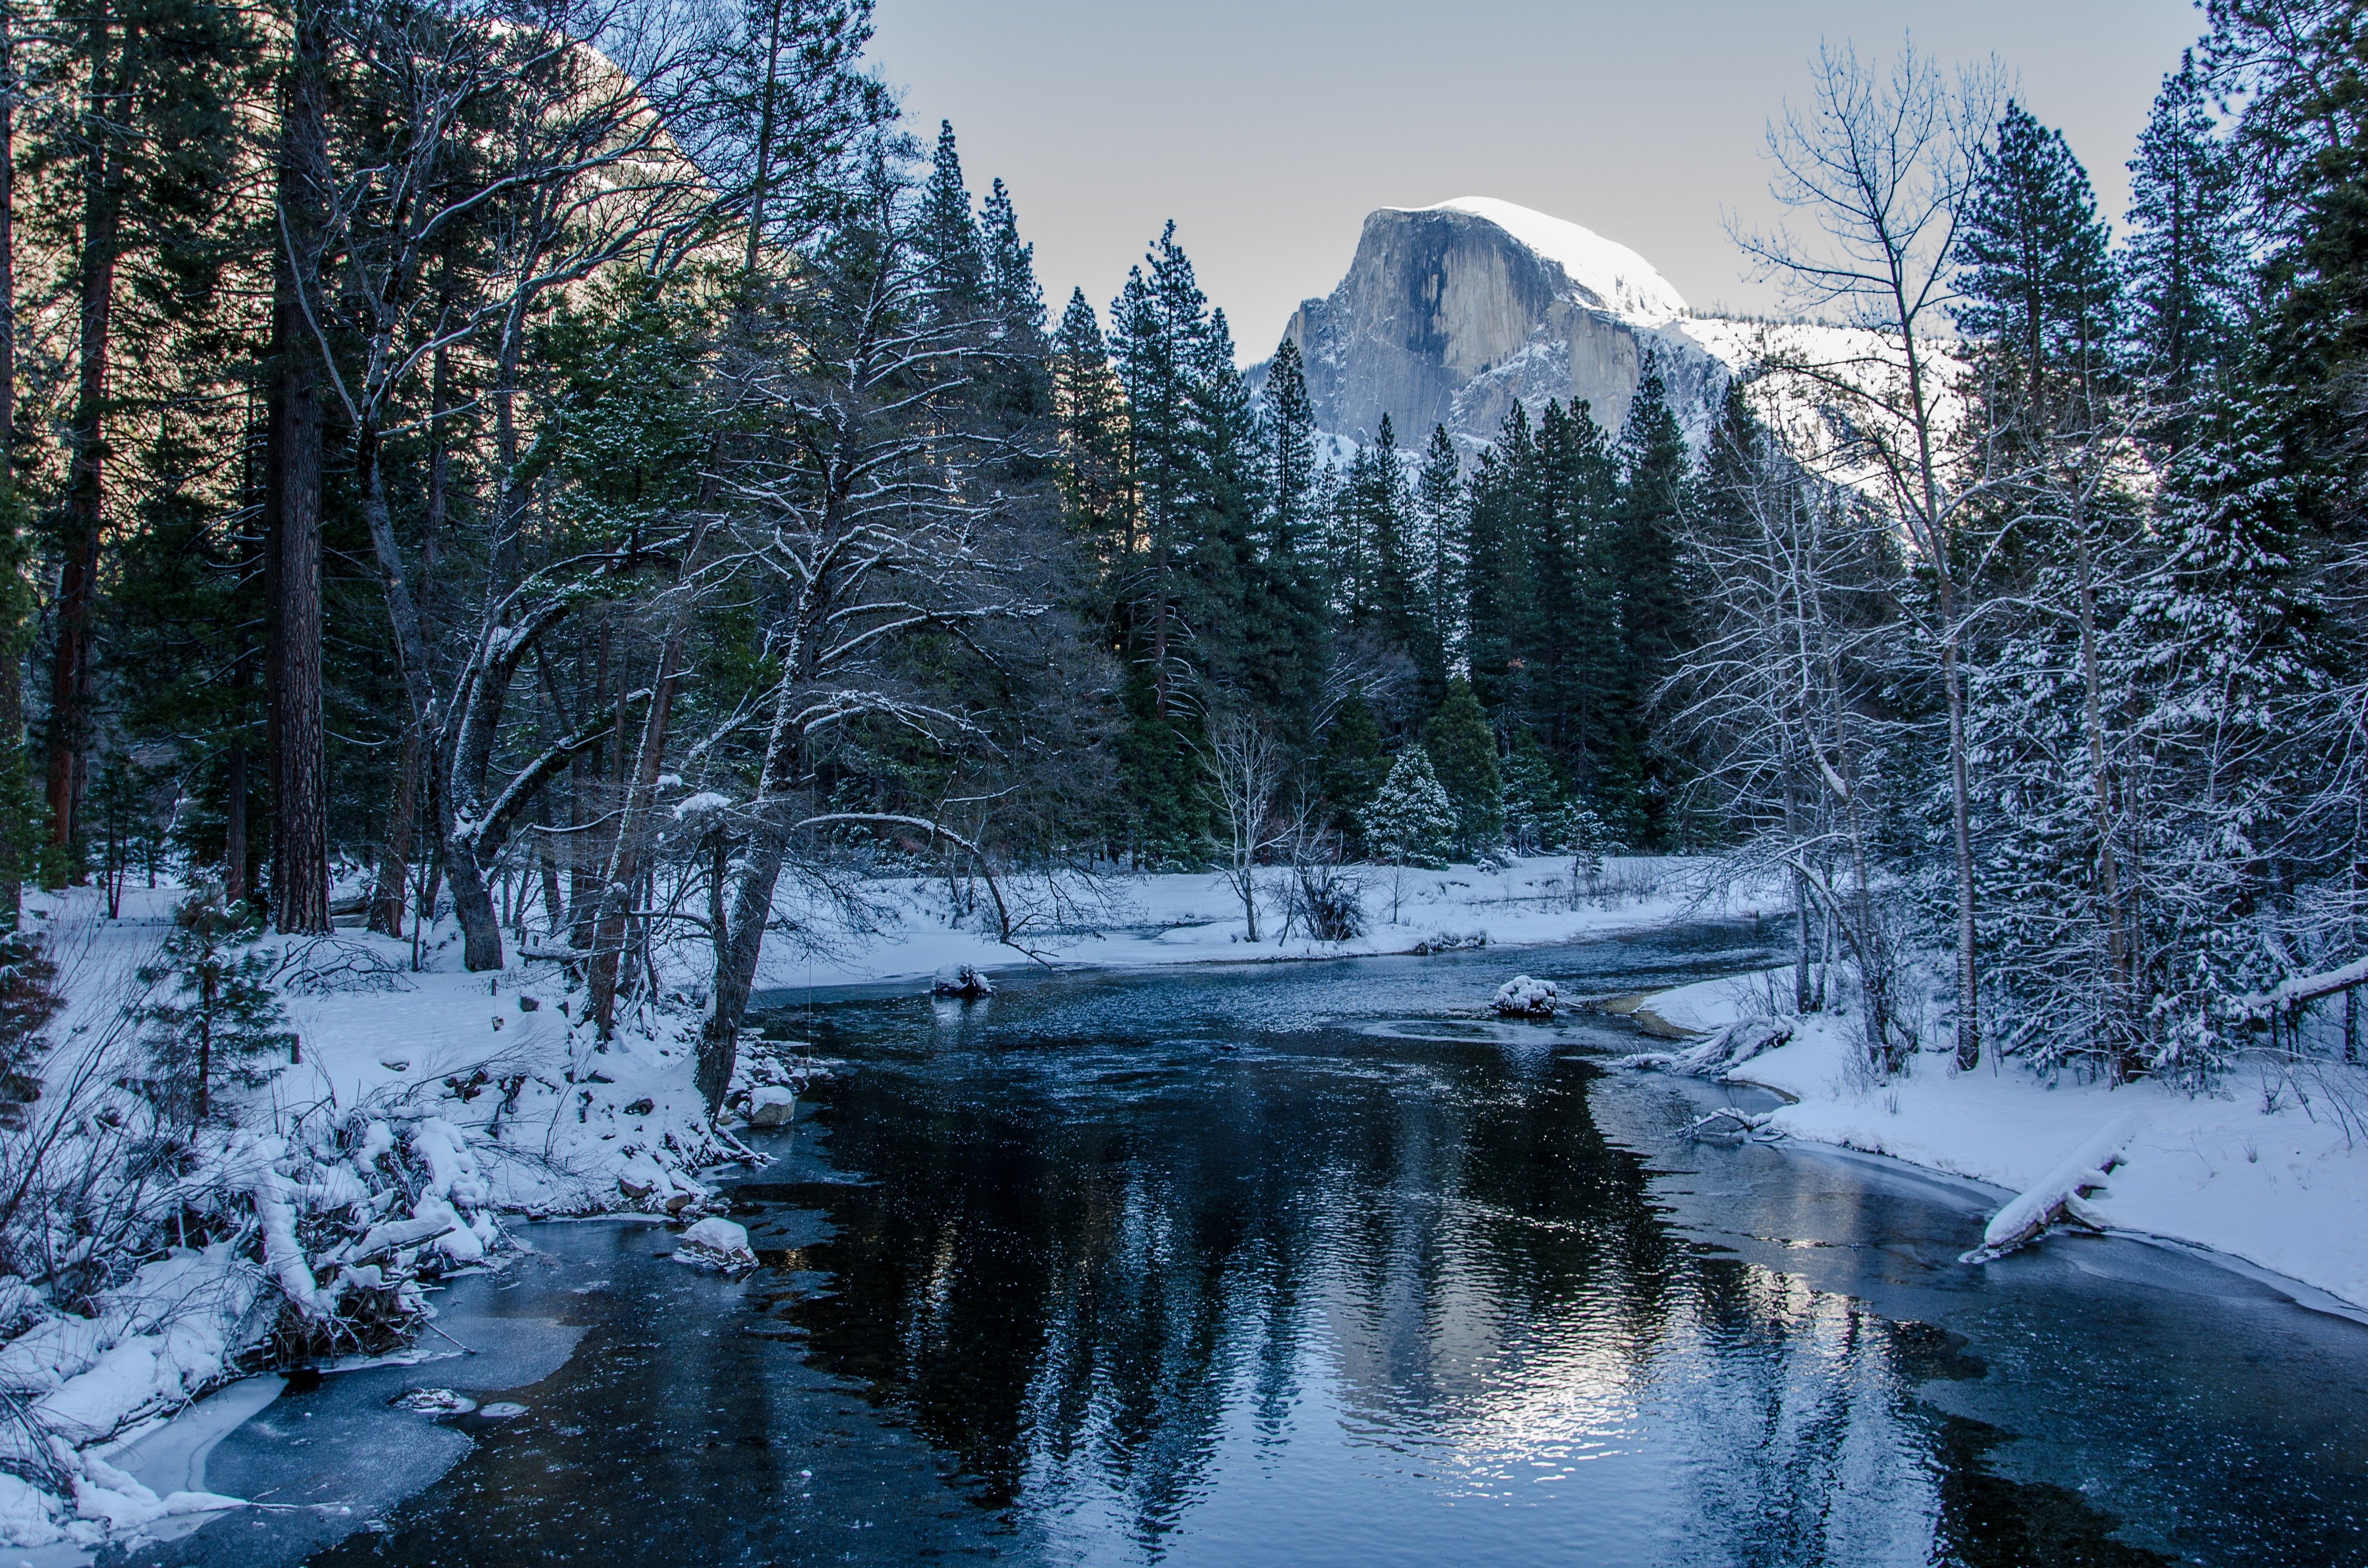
(1450, 313)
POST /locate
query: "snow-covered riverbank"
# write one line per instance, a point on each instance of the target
(2269, 1167)
(439, 1100)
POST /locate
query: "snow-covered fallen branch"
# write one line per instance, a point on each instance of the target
(2305, 988)
(1728, 1124)
(2057, 1198)
(1724, 1049)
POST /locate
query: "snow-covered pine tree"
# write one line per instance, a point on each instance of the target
(2223, 655)
(1462, 752)
(218, 1013)
(1409, 821)
(1537, 818)
(2184, 255)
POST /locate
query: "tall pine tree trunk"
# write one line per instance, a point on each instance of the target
(394, 854)
(14, 846)
(72, 678)
(300, 883)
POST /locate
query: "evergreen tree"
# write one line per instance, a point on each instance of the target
(1352, 766)
(1197, 578)
(1496, 595)
(1009, 265)
(949, 236)
(2037, 281)
(1464, 753)
(1579, 569)
(1095, 484)
(1537, 819)
(1287, 632)
(1635, 790)
(2184, 256)
(1371, 518)
(1435, 563)
(1410, 821)
(220, 1015)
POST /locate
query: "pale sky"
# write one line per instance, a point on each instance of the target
(1268, 129)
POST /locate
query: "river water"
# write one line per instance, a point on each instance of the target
(1312, 1265)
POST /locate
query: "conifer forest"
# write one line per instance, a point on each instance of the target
(587, 510)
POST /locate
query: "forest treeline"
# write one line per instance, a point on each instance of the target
(588, 466)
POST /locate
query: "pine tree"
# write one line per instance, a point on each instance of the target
(1435, 563)
(1410, 821)
(1537, 817)
(220, 1015)
(1634, 791)
(2184, 256)
(949, 233)
(1464, 753)
(1093, 473)
(2038, 282)
(1285, 655)
(1352, 766)
(1496, 589)
(1009, 265)
(1580, 566)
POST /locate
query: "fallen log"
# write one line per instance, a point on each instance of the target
(2057, 1198)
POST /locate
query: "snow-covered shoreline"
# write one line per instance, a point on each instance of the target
(438, 1100)
(2263, 1173)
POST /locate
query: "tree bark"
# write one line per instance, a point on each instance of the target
(14, 848)
(395, 855)
(71, 674)
(300, 884)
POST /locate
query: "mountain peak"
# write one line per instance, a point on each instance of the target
(1616, 279)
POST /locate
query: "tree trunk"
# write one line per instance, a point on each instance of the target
(300, 884)
(71, 674)
(234, 888)
(14, 846)
(394, 856)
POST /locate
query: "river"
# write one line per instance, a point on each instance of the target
(1310, 1264)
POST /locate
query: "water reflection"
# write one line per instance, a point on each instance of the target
(1358, 1290)
(1315, 1266)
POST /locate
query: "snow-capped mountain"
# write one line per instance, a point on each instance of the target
(1449, 314)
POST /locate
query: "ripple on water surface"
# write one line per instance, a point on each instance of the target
(1313, 1264)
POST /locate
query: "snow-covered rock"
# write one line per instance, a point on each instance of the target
(964, 980)
(771, 1105)
(1521, 997)
(715, 1244)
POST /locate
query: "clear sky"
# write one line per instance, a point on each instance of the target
(1268, 129)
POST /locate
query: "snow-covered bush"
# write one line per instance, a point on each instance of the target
(1327, 900)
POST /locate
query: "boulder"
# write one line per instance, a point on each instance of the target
(1521, 997)
(963, 980)
(715, 1244)
(772, 1105)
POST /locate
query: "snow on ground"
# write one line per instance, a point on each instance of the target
(2249, 1170)
(1189, 918)
(485, 1093)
